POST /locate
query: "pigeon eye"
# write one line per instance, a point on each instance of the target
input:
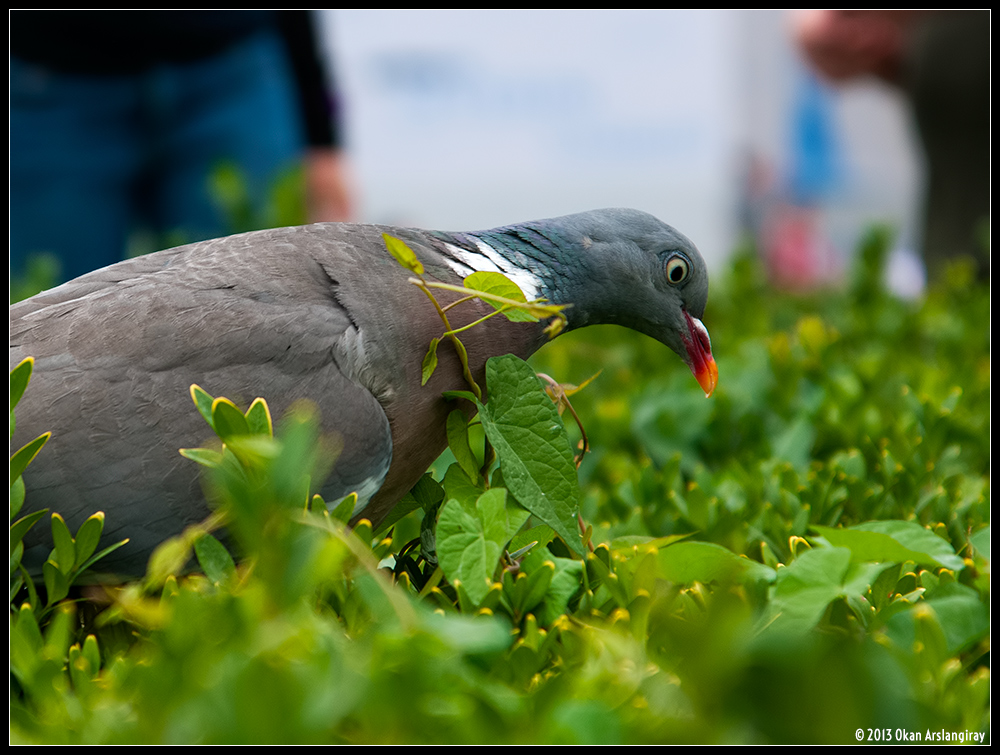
(678, 269)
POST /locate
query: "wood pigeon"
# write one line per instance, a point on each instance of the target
(321, 312)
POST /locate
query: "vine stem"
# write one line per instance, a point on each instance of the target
(536, 308)
(463, 355)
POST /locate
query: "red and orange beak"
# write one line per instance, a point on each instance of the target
(699, 350)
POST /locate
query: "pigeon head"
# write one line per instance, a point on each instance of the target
(615, 266)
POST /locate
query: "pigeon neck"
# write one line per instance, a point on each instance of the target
(522, 254)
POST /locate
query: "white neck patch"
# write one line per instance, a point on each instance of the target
(489, 260)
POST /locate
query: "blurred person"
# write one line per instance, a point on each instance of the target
(119, 118)
(941, 60)
(790, 218)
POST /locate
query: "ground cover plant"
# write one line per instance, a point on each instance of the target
(802, 558)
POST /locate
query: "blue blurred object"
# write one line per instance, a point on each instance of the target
(816, 169)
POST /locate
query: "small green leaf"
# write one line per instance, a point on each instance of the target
(23, 457)
(80, 672)
(87, 537)
(458, 442)
(536, 583)
(344, 510)
(65, 550)
(56, 584)
(168, 559)
(203, 401)
(500, 285)
(29, 583)
(16, 496)
(25, 636)
(204, 456)
(403, 254)
(214, 559)
(452, 395)
(430, 362)
(228, 420)
(91, 651)
(259, 418)
(19, 378)
(980, 540)
(17, 578)
(20, 528)
(253, 451)
(101, 554)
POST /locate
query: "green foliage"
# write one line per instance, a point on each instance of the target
(524, 428)
(41, 664)
(41, 271)
(802, 557)
(71, 557)
(283, 204)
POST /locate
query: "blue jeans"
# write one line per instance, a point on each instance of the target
(93, 158)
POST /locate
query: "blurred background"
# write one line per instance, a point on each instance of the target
(712, 120)
(476, 118)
